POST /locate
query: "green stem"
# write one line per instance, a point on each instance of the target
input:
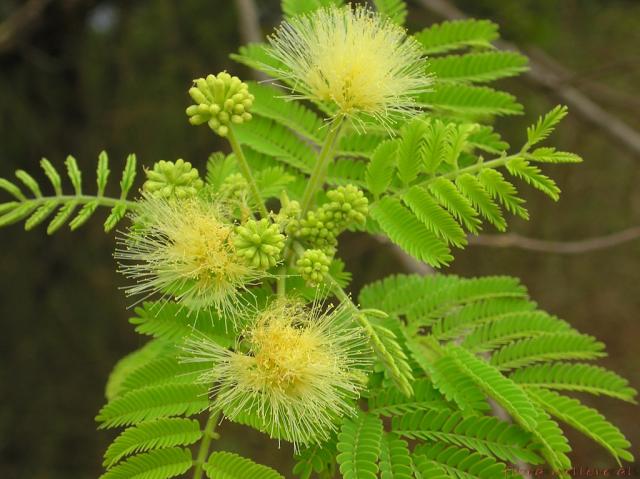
(316, 181)
(281, 282)
(245, 170)
(340, 293)
(478, 166)
(319, 172)
(343, 297)
(496, 163)
(335, 287)
(205, 444)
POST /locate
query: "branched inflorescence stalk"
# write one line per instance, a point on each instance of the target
(222, 102)
(316, 181)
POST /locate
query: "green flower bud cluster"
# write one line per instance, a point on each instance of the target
(315, 230)
(234, 186)
(347, 205)
(172, 180)
(259, 242)
(289, 211)
(313, 265)
(220, 101)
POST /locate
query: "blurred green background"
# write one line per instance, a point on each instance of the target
(82, 76)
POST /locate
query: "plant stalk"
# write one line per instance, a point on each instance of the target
(495, 163)
(319, 172)
(205, 444)
(316, 180)
(245, 170)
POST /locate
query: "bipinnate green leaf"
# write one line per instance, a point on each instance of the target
(12, 189)
(359, 447)
(485, 434)
(575, 377)
(156, 434)
(395, 458)
(396, 10)
(381, 167)
(458, 462)
(408, 232)
(478, 67)
(468, 100)
(53, 176)
(158, 464)
(74, 174)
(410, 150)
(586, 420)
(438, 220)
(30, 182)
(227, 465)
(496, 386)
(457, 34)
(390, 401)
(545, 125)
(164, 400)
(102, 172)
(318, 458)
(389, 352)
(40, 206)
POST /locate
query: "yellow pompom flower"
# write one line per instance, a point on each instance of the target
(295, 371)
(183, 249)
(355, 58)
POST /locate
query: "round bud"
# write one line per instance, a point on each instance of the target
(348, 205)
(220, 100)
(234, 186)
(313, 265)
(259, 243)
(170, 179)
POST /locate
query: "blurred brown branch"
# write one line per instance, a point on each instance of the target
(249, 22)
(553, 81)
(249, 26)
(620, 99)
(514, 240)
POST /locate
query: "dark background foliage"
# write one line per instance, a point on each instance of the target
(88, 75)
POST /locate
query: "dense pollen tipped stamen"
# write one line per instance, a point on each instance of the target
(355, 58)
(184, 249)
(296, 369)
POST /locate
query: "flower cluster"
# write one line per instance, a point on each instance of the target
(298, 369)
(347, 205)
(294, 371)
(185, 250)
(289, 212)
(320, 228)
(220, 101)
(172, 180)
(353, 58)
(234, 187)
(313, 265)
(259, 242)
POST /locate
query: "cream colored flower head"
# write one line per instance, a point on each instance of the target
(293, 374)
(356, 59)
(183, 250)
